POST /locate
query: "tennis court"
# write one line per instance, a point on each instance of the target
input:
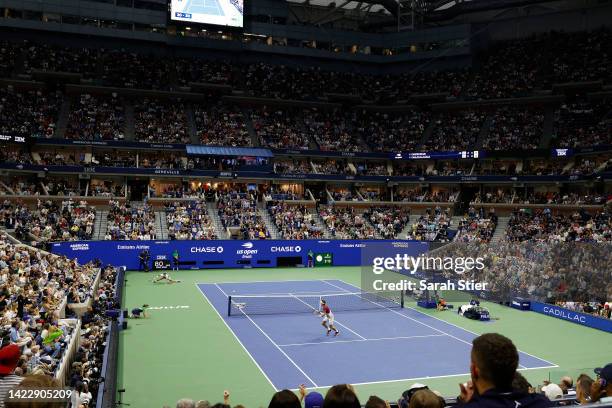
(379, 341)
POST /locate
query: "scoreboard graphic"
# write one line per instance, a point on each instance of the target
(324, 259)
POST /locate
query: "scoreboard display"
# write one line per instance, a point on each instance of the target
(465, 154)
(227, 13)
(161, 264)
(324, 259)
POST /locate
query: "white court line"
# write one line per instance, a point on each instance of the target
(421, 378)
(336, 321)
(236, 337)
(403, 379)
(338, 287)
(271, 281)
(272, 341)
(361, 340)
(552, 365)
(284, 294)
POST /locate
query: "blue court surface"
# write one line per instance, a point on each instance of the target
(210, 7)
(376, 345)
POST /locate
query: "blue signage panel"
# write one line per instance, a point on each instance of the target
(224, 253)
(572, 316)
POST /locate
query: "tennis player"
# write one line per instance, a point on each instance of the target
(165, 276)
(328, 318)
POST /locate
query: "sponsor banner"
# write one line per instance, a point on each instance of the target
(222, 253)
(22, 140)
(572, 316)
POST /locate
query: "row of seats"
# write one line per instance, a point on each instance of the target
(576, 123)
(507, 69)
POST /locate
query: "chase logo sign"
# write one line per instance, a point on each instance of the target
(206, 250)
(288, 248)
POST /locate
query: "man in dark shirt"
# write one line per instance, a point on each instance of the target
(3, 302)
(494, 360)
(22, 301)
(143, 259)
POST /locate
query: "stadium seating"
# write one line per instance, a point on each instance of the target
(238, 210)
(221, 125)
(157, 121)
(294, 221)
(37, 113)
(96, 118)
(127, 222)
(189, 221)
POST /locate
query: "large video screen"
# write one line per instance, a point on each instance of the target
(215, 12)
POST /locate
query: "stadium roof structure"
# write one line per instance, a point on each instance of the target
(377, 5)
(426, 10)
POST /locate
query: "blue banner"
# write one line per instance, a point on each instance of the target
(226, 253)
(583, 319)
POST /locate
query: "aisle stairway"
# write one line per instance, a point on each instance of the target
(214, 216)
(454, 226)
(369, 223)
(101, 225)
(161, 226)
(129, 122)
(191, 125)
(62, 119)
(548, 128)
(270, 225)
(404, 232)
(320, 223)
(500, 229)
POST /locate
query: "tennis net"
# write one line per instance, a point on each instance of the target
(288, 304)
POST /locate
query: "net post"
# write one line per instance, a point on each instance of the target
(402, 299)
(229, 305)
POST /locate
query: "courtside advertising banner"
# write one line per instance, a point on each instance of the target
(222, 253)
